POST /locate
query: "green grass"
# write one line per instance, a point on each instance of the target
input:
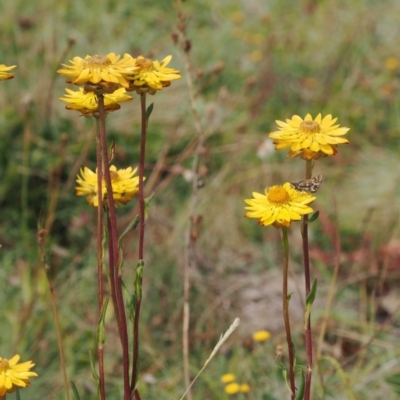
(317, 56)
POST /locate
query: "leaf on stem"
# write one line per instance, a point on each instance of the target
(309, 302)
(148, 112)
(101, 335)
(75, 391)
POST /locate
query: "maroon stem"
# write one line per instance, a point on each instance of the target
(286, 316)
(114, 254)
(306, 262)
(100, 293)
(141, 240)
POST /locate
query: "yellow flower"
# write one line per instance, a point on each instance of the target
(244, 388)
(308, 138)
(124, 185)
(14, 375)
(228, 378)
(261, 336)
(4, 75)
(152, 75)
(279, 206)
(87, 103)
(232, 388)
(101, 71)
(392, 63)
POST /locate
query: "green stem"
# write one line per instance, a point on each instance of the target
(285, 300)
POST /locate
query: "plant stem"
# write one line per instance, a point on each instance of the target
(306, 262)
(114, 254)
(285, 301)
(100, 290)
(141, 240)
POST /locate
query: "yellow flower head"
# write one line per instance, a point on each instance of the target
(309, 138)
(232, 388)
(4, 75)
(14, 375)
(124, 185)
(99, 71)
(151, 76)
(244, 388)
(279, 206)
(261, 336)
(87, 103)
(227, 378)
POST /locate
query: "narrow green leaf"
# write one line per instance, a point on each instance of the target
(309, 302)
(149, 111)
(147, 201)
(300, 392)
(313, 217)
(132, 226)
(75, 391)
(101, 335)
(138, 279)
(93, 368)
(313, 292)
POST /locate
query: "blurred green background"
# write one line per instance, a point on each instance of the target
(253, 62)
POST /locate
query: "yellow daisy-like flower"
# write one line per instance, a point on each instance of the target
(123, 181)
(232, 388)
(309, 138)
(279, 206)
(99, 71)
(244, 388)
(261, 336)
(152, 75)
(227, 378)
(87, 102)
(4, 74)
(14, 375)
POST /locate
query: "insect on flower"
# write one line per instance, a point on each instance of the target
(308, 185)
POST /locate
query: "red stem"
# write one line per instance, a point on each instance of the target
(141, 240)
(114, 254)
(100, 293)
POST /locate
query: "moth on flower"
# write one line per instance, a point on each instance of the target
(308, 185)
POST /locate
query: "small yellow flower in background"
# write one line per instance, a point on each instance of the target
(261, 336)
(279, 206)
(237, 17)
(4, 74)
(392, 63)
(309, 138)
(14, 375)
(232, 388)
(124, 185)
(151, 76)
(228, 378)
(87, 103)
(244, 388)
(256, 56)
(101, 71)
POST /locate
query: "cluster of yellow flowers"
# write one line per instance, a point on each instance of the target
(309, 139)
(232, 387)
(113, 76)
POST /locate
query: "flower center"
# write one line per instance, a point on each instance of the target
(97, 62)
(278, 195)
(309, 127)
(144, 64)
(4, 366)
